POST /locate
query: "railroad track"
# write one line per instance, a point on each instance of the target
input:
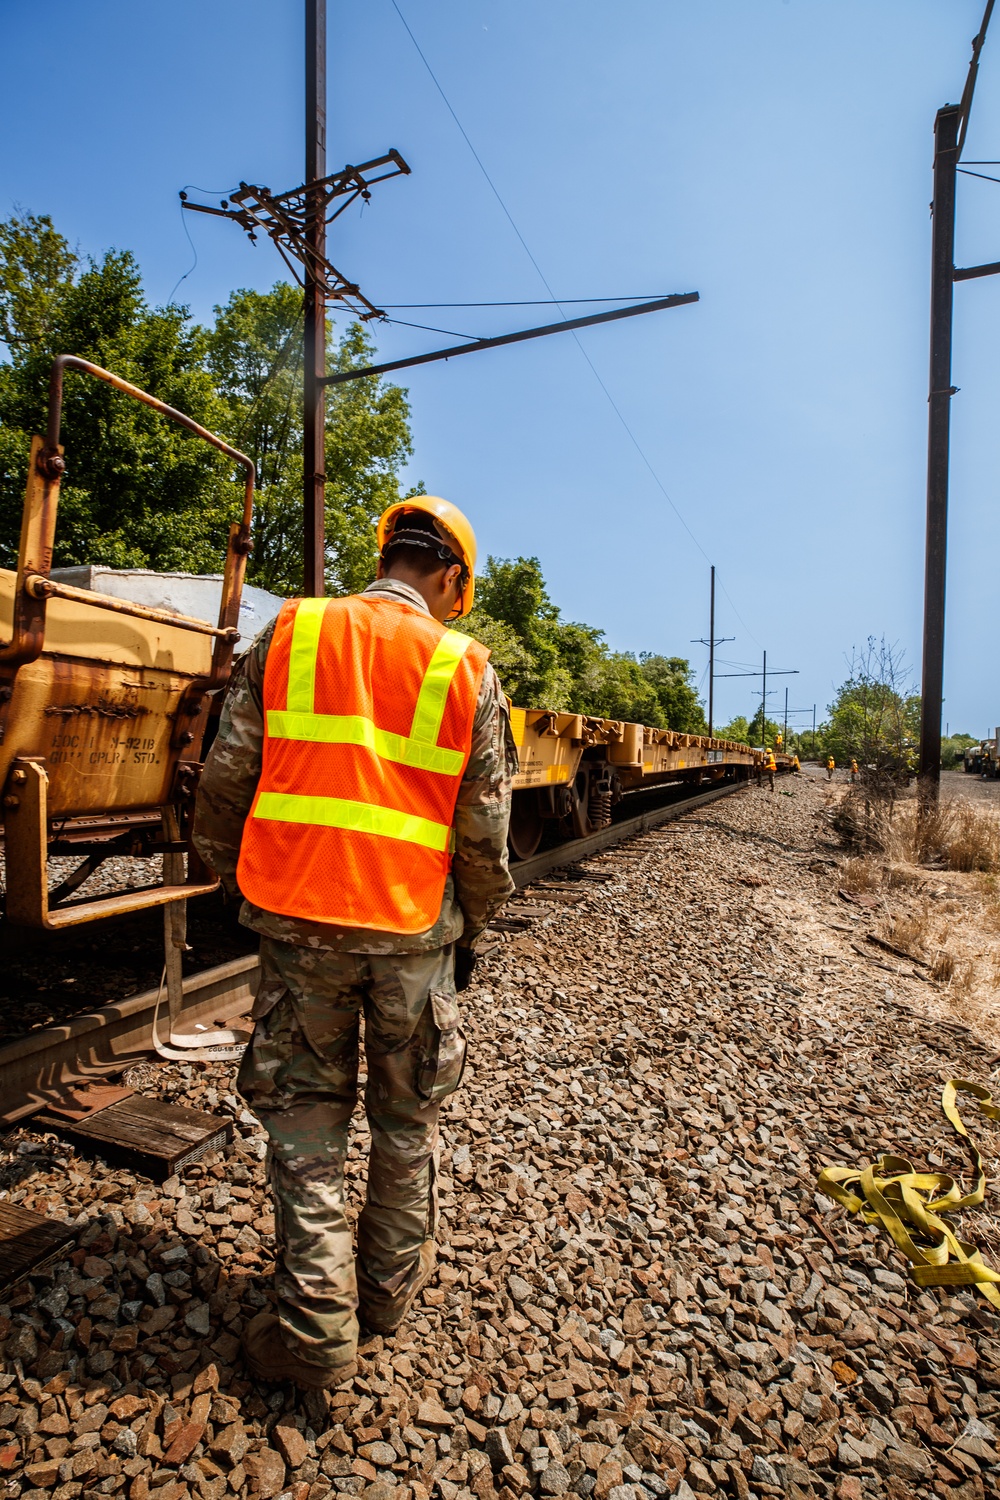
(104, 1042)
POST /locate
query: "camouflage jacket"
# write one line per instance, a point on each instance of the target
(479, 882)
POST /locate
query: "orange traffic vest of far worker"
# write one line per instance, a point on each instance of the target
(830, 763)
(368, 710)
(772, 764)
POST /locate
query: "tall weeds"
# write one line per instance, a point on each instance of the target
(955, 836)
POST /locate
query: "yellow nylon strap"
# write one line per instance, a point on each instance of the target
(355, 817)
(303, 655)
(908, 1204)
(433, 693)
(347, 729)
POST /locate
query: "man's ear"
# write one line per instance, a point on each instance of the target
(380, 569)
(451, 575)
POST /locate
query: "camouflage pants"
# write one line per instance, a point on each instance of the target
(299, 1075)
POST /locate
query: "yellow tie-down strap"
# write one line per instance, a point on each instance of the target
(909, 1204)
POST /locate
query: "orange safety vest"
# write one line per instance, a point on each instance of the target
(368, 711)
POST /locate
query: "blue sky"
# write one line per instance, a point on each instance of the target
(773, 155)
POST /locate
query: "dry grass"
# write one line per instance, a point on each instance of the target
(913, 930)
(973, 839)
(943, 967)
(938, 882)
(864, 873)
(956, 835)
(902, 878)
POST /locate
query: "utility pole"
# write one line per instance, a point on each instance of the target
(814, 731)
(711, 643)
(946, 127)
(763, 697)
(784, 737)
(314, 414)
(763, 704)
(295, 221)
(711, 654)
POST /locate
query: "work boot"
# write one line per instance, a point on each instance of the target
(269, 1358)
(393, 1306)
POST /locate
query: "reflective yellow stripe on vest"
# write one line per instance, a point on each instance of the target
(356, 817)
(419, 749)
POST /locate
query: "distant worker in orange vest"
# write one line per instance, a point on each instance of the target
(796, 768)
(854, 770)
(770, 766)
(830, 765)
(358, 796)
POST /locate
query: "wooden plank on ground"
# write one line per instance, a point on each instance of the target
(561, 897)
(27, 1240)
(144, 1134)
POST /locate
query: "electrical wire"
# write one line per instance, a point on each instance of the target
(192, 187)
(544, 280)
(402, 323)
(194, 264)
(983, 175)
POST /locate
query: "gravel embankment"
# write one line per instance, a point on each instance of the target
(640, 1294)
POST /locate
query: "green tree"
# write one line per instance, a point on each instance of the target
(615, 687)
(672, 680)
(545, 661)
(737, 729)
(512, 593)
(255, 356)
(953, 748)
(764, 732)
(37, 268)
(139, 491)
(872, 719)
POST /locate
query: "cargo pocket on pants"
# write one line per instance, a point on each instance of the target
(444, 1061)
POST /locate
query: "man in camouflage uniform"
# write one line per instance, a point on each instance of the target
(299, 1073)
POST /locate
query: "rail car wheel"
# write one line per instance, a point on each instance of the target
(579, 813)
(526, 826)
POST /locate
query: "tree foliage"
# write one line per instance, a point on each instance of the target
(874, 719)
(140, 492)
(255, 356)
(751, 732)
(546, 661)
(953, 748)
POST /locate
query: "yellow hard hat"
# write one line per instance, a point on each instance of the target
(451, 526)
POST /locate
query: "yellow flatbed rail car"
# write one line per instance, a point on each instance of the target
(573, 769)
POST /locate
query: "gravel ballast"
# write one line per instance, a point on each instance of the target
(640, 1293)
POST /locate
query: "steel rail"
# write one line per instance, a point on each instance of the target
(105, 1042)
(527, 870)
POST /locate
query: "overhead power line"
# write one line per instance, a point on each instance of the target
(544, 280)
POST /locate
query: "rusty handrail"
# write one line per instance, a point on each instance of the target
(52, 457)
(46, 588)
(38, 526)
